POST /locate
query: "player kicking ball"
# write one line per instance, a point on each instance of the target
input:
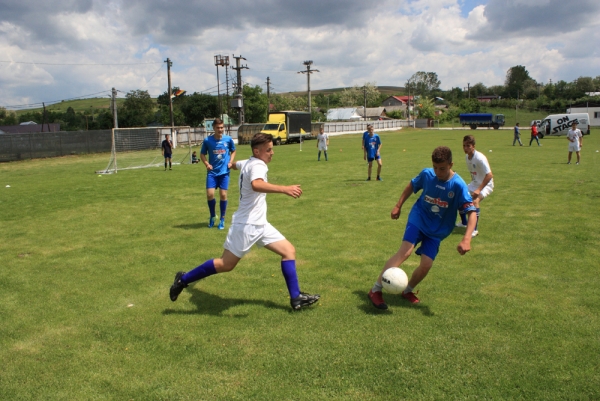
(430, 220)
(482, 179)
(249, 226)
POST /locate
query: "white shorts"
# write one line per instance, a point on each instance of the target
(322, 148)
(484, 192)
(241, 237)
(574, 146)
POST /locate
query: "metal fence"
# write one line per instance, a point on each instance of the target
(52, 144)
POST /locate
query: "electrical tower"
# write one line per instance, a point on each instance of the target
(308, 71)
(222, 61)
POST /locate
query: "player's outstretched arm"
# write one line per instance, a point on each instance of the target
(260, 185)
(405, 195)
(465, 244)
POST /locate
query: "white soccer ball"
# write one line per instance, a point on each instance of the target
(394, 280)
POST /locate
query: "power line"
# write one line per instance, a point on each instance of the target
(30, 105)
(34, 63)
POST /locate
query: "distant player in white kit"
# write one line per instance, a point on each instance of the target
(249, 226)
(575, 138)
(482, 179)
(322, 144)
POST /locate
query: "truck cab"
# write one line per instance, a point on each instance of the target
(288, 126)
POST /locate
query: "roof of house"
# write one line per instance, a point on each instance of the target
(344, 113)
(371, 111)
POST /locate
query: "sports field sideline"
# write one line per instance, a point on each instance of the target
(87, 262)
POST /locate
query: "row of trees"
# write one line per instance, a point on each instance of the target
(139, 109)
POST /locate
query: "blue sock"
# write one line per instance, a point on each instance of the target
(223, 207)
(204, 270)
(477, 221)
(211, 207)
(463, 219)
(288, 268)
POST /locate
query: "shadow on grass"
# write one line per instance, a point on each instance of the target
(214, 305)
(392, 301)
(193, 226)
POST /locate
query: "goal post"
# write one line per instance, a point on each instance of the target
(135, 148)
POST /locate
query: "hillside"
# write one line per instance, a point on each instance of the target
(81, 105)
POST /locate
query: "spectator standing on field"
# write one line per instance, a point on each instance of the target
(249, 226)
(575, 138)
(431, 219)
(517, 135)
(167, 151)
(372, 145)
(322, 143)
(482, 179)
(534, 134)
(221, 155)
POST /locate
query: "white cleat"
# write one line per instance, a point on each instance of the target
(461, 225)
(475, 233)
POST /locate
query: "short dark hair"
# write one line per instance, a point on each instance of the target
(259, 139)
(441, 154)
(470, 139)
(218, 121)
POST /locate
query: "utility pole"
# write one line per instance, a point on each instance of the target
(222, 61)
(268, 97)
(113, 104)
(169, 64)
(308, 71)
(365, 102)
(240, 89)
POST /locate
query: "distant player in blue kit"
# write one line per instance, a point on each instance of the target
(372, 146)
(221, 155)
(431, 219)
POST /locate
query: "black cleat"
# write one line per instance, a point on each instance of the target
(177, 286)
(303, 300)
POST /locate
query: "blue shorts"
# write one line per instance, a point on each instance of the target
(217, 181)
(429, 246)
(371, 159)
(167, 155)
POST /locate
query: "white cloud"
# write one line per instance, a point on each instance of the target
(350, 42)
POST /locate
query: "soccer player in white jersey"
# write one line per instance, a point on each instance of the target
(482, 179)
(575, 138)
(249, 226)
(322, 144)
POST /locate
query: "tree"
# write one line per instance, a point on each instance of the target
(423, 83)
(255, 104)
(355, 96)
(197, 107)
(515, 81)
(479, 89)
(426, 108)
(137, 109)
(8, 117)
(289, 102)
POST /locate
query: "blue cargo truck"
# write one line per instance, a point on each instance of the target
(475, 120)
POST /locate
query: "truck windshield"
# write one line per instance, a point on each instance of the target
(271, 127)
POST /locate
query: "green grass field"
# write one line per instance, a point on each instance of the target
(87, 261)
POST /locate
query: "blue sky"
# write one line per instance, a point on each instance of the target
(70, 48)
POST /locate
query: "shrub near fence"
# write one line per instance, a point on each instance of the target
(52, 144)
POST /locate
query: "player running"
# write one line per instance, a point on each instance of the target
(249, 226)
(482, 179)
(221, 155)
(430, 220)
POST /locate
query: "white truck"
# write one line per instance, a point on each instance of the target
(560, 124)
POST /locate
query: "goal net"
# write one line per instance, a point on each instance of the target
(134, 148)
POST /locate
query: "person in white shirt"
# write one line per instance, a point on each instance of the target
(575, 138)
(482, 179)
(249, 226)
(322, 144)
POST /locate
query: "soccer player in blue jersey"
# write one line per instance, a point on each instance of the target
(221, 155)
(431, 219)
(372, 145)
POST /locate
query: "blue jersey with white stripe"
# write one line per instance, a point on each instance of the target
(434, 213)
(218, 153)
